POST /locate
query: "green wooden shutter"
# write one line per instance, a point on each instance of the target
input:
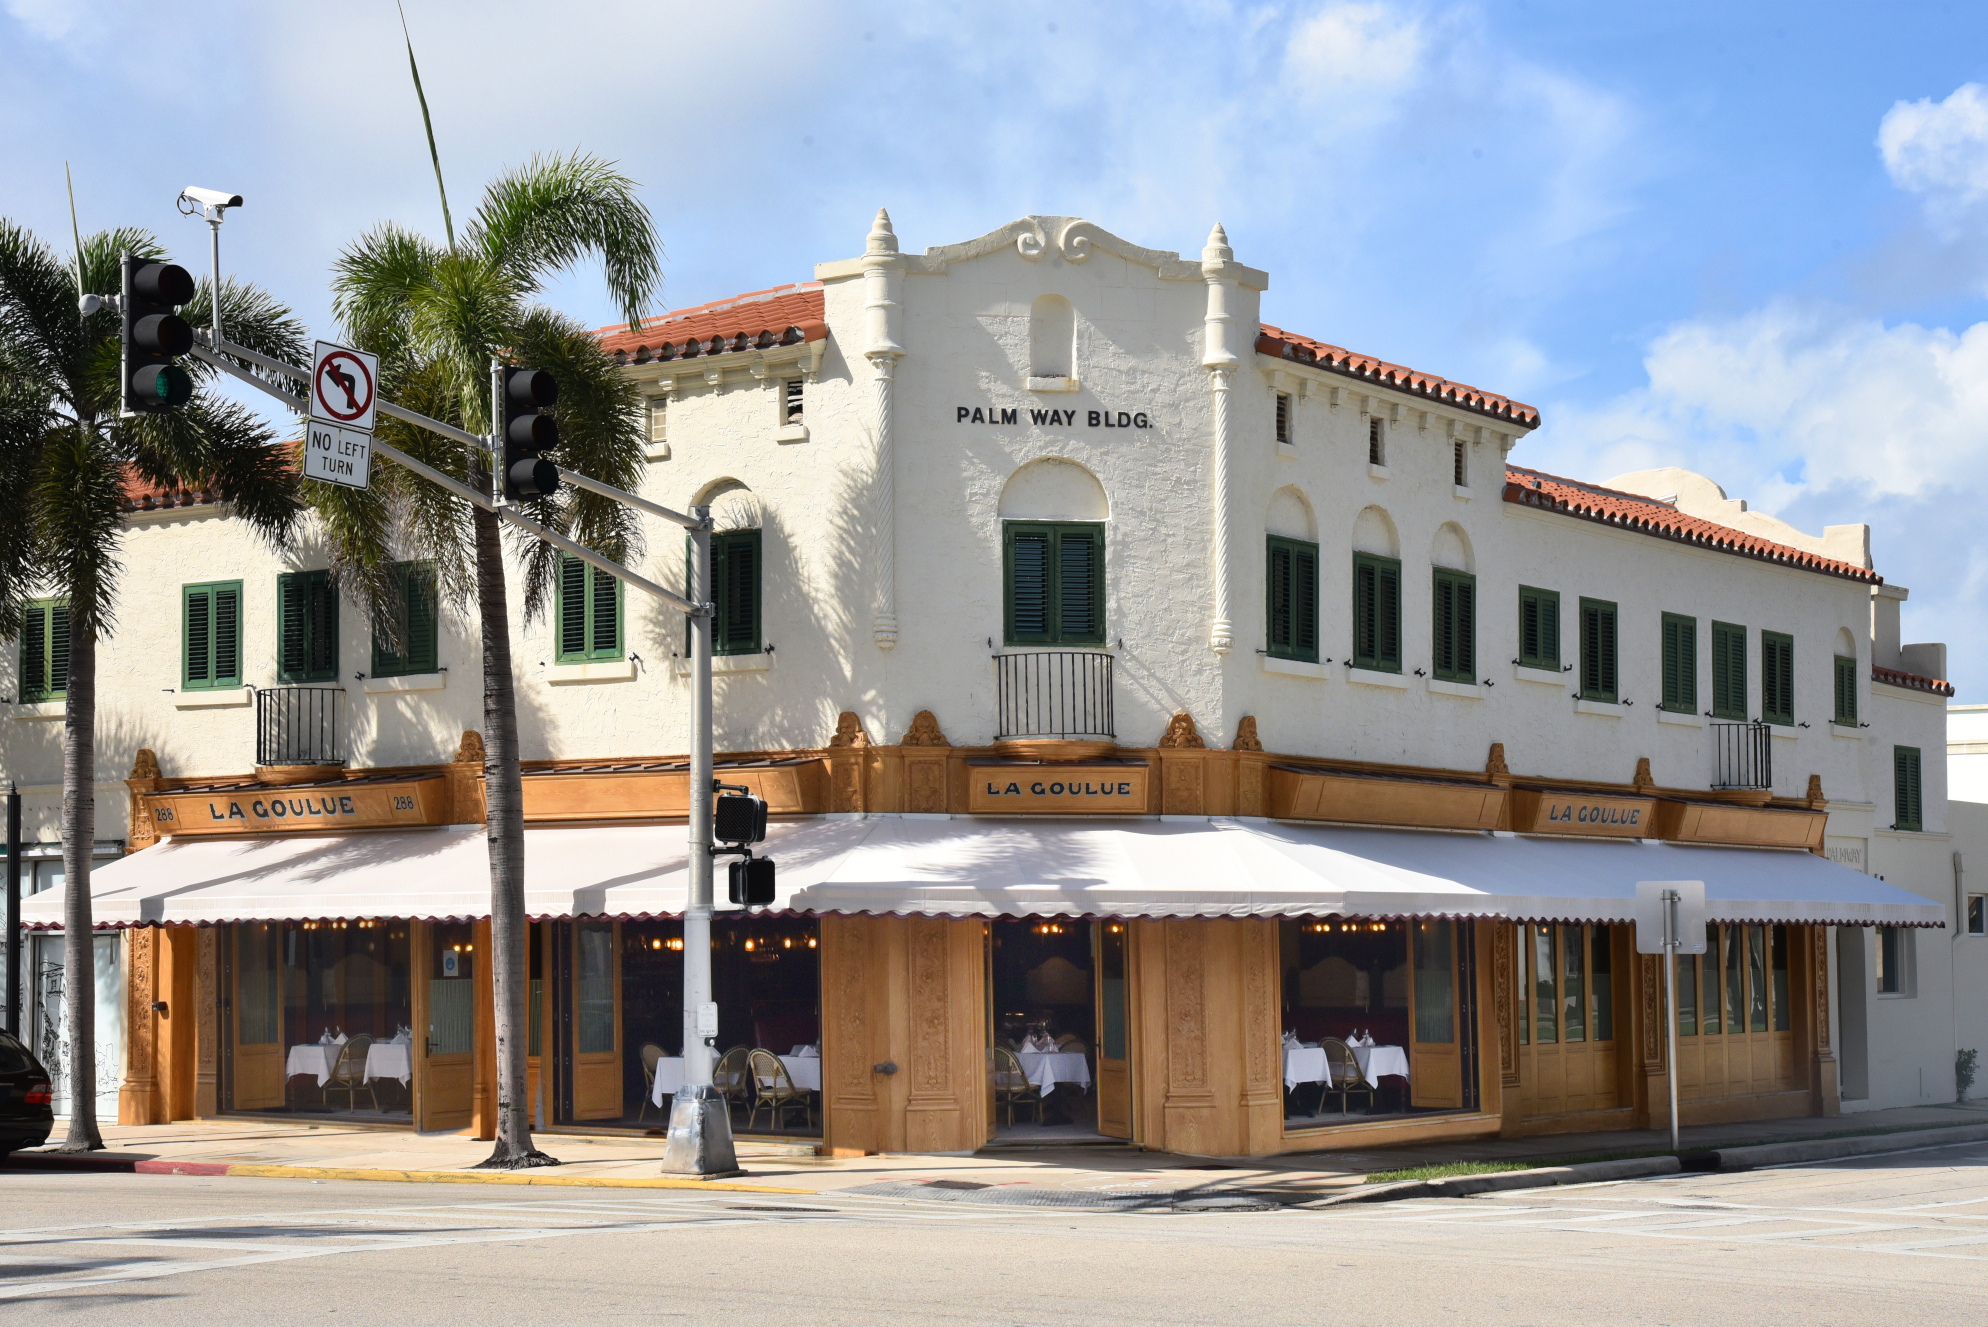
(1028, 569)
(1728, 671)
(1598, 651)
(198, 637)
(44, 672)
(419, 621)
(1846, 691)
(1080, 584)
(1539, 628)
(735, 567)
(1906, 791)
(1680, 663)
(1304, 595)
(1291, 594)
(228, 635)
(570, 612)
(1366, 640)
(1777, 677)
(1388, 615)
(1277, 587)
(307, 627)
(1453, 596)
(603, 616)
(211, 618)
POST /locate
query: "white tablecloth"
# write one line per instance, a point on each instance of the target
(1376, 1061)
(805, 1070)
(1045, 1069)
(669, 1077)
(315, 1059)
(1306, 1064)
(388, 1059)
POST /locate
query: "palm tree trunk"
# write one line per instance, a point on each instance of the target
(505, 814)
(79, 841)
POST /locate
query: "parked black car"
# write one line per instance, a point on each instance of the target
(27, 1112)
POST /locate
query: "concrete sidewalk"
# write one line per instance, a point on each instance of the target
(328, 1150)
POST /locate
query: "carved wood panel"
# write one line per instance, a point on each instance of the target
(931, 1064)
(1187, 1007)
(1182, 791)
(926, 791)
(1504, 941)
(207, 1021)
(1260, 1009)
(1819, 962)
(1650, 975)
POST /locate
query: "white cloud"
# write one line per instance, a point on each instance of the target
(1940, 151)
(1355, 58)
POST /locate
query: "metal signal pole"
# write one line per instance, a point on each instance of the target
(1671, 941)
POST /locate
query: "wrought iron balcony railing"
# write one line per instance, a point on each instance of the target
(300, 726)
(1743, 755)
(1055, 694)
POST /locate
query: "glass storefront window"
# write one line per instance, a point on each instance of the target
(1708, 1012)
(1519, 987)
(1756, 985)
(451, 989)
(595, 977)
(1780, 978)
(1604, 989)
(1574, 987)
(1435, 981)
(1735, 988)
(1687, 995)
(1545, 967)
(1111, 987)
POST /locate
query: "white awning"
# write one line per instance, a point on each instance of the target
(988, 868)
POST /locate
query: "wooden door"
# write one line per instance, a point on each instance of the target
(257, 1025)
(597, 1057)
(538, 1024)
(445, 1010)
(1111, 962)
(1435, 1060)
(1568, 1061)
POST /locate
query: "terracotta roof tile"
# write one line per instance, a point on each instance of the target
(141, 494)
(1630, 511)
(782, 315)
(1911, 681)
(1277, 342)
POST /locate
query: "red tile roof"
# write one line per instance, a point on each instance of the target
(1630, 511)
(782, 315)
(143, 495)
(1911, 681)
(1281, 344)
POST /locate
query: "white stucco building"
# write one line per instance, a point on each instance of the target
(946, 480)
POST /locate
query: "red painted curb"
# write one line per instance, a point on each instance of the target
(181, 1168)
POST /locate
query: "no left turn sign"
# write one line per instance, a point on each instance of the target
(344, 386)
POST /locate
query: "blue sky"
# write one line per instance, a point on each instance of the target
(1743, 238)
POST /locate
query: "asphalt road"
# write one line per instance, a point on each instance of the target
(1901, 1239)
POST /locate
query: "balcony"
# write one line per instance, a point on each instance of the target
(300, 726)
(1743, 754)
(1054, 696)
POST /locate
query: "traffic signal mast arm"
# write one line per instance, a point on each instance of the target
(464, 491)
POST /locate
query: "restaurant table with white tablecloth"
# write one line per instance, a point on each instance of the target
(805, 1070)
(315, 1059)
(389, 1059)
(1045, 1069)
(1307, 1064)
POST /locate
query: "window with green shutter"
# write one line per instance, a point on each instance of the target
(1454, 625)
(1680, 662)
(735, 589)
(1846, 692)
(1777, 678)
(1906, 804)
(586, 613)
(1291, 576)
(1376, 613)
(1539, 628)
(1598, 658)
(1728, 671)
(418, 621)
(307, 627)
(1053, 583)
(211, 636)
(45, 651)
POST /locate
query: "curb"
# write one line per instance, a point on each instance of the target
(1825, 1149)
(130, 1166)
(1539, 1177)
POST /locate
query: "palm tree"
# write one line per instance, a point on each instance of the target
(63, 444)
(438, 315)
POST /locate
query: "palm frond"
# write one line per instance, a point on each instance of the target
(78, 521)
(252, 318)
(217, 443)
(547, 215)
(41, 329)
(27, 418)
(371, 284)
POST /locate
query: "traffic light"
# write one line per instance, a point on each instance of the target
(527, 432)
(740, 818)
(153, 335)
(752, 882)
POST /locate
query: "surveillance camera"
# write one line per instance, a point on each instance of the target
(213, 198)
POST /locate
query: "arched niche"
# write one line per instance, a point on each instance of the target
(1450, 549)
(1053, 489)
(1846, 644)
(1373, 532)
(733, 505)
(1290, 516)
(1052, 338)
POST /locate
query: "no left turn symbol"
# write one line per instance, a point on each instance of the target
(344, 386)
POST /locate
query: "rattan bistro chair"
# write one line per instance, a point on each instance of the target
(774, 1089)
(1012, 1087)
(349, 1072)
(1346, 1079)
(732, 1076)
(651, 1053)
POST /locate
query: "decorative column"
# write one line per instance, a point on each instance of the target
(1218, 356)
(882, 277)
